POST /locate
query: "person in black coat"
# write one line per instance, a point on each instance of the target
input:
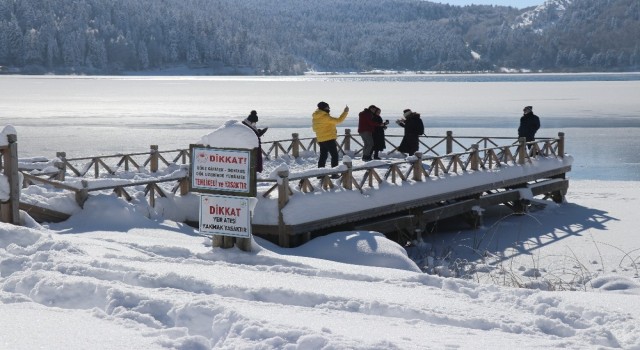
(413, 128)
(529, 124)
(251, 122)
(379, 143)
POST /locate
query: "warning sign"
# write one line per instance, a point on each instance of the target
(225, 215)
(222, 171)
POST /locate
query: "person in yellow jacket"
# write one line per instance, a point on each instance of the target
(324, 125)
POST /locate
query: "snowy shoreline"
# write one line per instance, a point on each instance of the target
(161, 285)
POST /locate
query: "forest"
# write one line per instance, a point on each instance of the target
(291, 37)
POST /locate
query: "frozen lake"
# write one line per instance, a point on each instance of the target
(83, 116)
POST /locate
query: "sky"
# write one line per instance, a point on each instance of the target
(120, 275)
(513, 3)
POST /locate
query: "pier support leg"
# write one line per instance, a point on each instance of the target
(520, 207)
(558, 197)
(474, 218)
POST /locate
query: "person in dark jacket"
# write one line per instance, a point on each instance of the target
(365, 130)
(413, 128)
(251, 122)
(379, 143)
(529, 125)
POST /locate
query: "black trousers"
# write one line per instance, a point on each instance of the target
(326, 148)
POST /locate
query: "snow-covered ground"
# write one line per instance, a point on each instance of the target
(116, 275)
(149, 284)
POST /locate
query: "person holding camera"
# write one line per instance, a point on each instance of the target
(413, 128)
(379, 142)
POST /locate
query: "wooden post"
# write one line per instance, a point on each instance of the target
(347, 182)
(244, 244)
(417, 224)
(522, 150)
(220, 241)
(475, 157)
(561, 144)
(295, 147)
(283, 199)
(10, 210)
(449, 142)
(183, 156)
(154, 155)
(152, 195)
(347, 140)
(217, 241)
(417, 167)
(96, 165)
(83, 194)
(227, 242)
(184, 186)
(62, 166)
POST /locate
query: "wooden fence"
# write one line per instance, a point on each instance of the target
(444, 155)
(417, 168)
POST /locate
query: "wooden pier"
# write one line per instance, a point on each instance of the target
(451, 176)
(510, 174)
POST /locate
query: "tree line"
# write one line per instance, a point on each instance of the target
(284, 37)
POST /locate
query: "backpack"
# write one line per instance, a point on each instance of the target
(420, 127)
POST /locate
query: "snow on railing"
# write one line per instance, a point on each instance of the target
(419, 166)
(422, 165)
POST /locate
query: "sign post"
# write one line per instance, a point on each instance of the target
(226, 180)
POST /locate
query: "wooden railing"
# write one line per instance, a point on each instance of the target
(106, 164)
(295, 147)
(349, 144)
(438, 158)
(416, 168)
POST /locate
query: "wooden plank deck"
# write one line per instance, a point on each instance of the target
(430, 208)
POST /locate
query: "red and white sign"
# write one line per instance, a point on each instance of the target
(225, 215)
(221, 170)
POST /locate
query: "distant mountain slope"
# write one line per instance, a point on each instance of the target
(292, 36)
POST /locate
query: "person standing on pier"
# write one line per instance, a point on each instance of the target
(378, 133)
(529, 125)
(366, 126)
(324, 125)
(413, 128)
(251, 121)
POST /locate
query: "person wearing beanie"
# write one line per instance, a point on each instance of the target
(529, 125)
(324, 125)
(379, 142)
(253, 117)
(251, 122)
(413, 128)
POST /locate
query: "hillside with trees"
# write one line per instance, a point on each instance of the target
(288, 37)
